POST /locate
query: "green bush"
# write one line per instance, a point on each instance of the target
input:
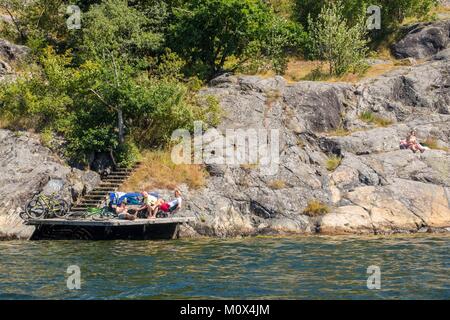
(42, 98)
(393, 11)
(127, 154)
(278, 39)
(316, 208)
(114, 26)
(334, 40)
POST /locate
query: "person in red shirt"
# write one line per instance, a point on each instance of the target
(172, 205)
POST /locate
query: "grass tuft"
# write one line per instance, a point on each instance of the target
(316, 208)
(371, 118)
(277, 184)
(339, 132)
(432, 143)
(333, 162)
(47, 138)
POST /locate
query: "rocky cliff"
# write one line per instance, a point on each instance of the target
(27, 167)
(377, 188)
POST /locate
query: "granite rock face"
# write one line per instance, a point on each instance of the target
(26, 167)
(423, 40)
(377, 188)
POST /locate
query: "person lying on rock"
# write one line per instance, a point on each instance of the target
(412, 143)
(172, 205)
(122, 212)
(150, 205)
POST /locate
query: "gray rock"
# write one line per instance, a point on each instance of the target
(376, 189)
(5, 68)
(405, 93)
(318, 106)
(12, 52)
(423, 40)
(26, 167)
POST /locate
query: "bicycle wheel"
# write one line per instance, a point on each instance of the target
(36, 208)
(60, 208)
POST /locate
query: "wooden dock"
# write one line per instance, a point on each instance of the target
(111, 229)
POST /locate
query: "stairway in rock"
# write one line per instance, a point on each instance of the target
(99, 194)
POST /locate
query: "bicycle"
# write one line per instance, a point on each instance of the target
(93, 213)
(43, 206)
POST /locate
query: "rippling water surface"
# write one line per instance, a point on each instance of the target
(270, 268)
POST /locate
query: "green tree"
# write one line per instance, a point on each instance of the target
(117, 38)
(36, 19)
(335, 41)
(39, 100)
(210, 31)
(115, 27)
(395, 12)
(277, 40)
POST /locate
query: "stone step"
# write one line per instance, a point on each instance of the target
(123, 171)
(128, 169)
(120, 173)
(91, 201)
(109, 187)
(96, 196)
(104, 189)
(109, 184)
(100, 193)
(115, 177)
(84, 208)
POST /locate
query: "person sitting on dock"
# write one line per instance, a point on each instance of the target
(122, 212)
(150, 204)
(172, 205)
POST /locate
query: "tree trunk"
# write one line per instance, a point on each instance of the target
(120, 126)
